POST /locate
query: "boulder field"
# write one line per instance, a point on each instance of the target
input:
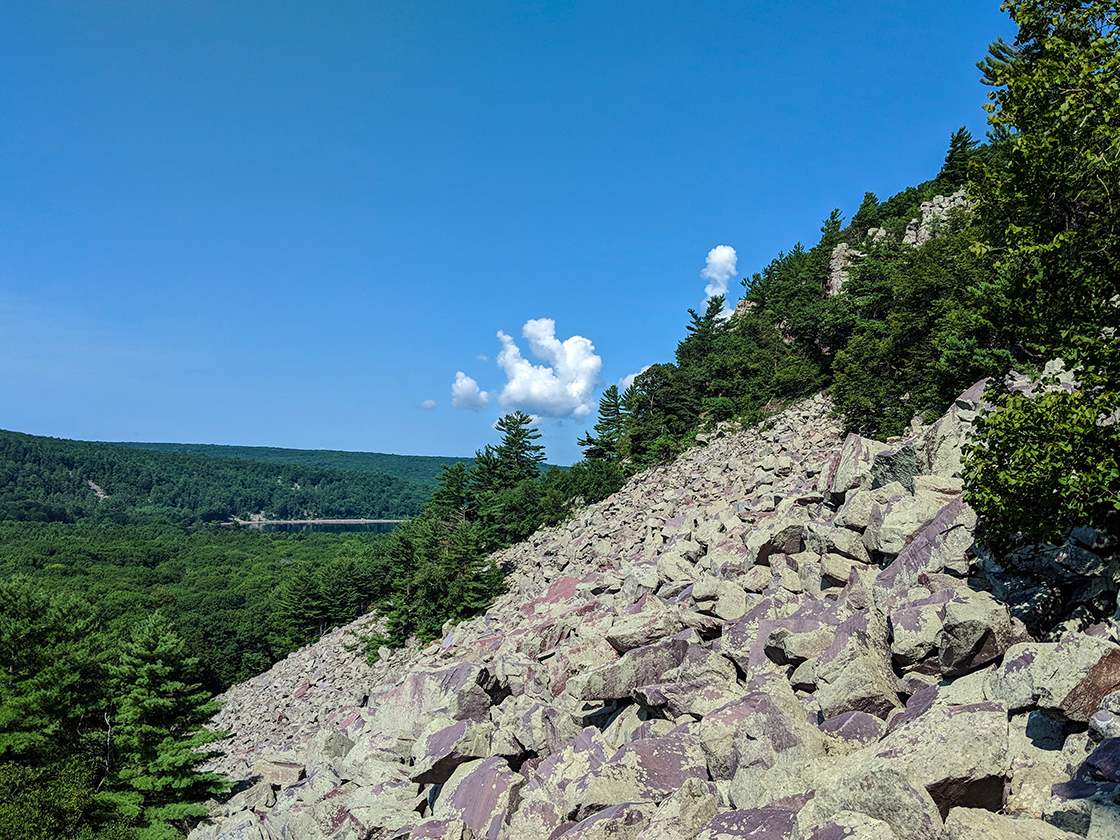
(784, 634)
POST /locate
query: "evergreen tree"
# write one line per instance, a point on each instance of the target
(158, 733)
(962, 148)
(49, 654)
(603, 446)
(519, 453)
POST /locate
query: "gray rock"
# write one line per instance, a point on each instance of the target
(884, 792)
(684, 813)
(959, 754)
(978, 824)
(976, 630)
(645, 622)
(1013, 682)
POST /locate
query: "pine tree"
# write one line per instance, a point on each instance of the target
(158, 733)
(603, 446)
(521, 456)
(962, 148)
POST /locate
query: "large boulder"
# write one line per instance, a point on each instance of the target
(882, 791)
(978, 824)
(481, 794)
(976, 630)
(647, 770)
(959, 754)
(1079, 674)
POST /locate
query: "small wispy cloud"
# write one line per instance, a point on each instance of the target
(718, 270)
(482, 357)
(428, 405)
(465, 393)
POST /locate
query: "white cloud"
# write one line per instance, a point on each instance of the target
(428, 405)
(628, 380)
(482, 358)
(563, 386)
(719, 270)
(466, 394)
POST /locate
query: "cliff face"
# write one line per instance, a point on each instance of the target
(782, 635)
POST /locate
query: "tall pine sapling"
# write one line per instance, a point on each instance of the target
(158, 732)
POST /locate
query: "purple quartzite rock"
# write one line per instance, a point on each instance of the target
(776, 821)
(1104, 762)
(618, 822)
(1082, 671)
(942, 546)
(855, 726)
(642, 771)
(482, 799)
(640, 666)
(441, 752)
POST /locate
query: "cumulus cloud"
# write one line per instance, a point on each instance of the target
(563, 386)
(428, 405)
(465, 393)
(720, 268)
(628, 380)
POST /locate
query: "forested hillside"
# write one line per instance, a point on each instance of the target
(50, 480)
(418, 469)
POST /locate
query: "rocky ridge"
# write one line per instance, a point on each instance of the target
(784, 634)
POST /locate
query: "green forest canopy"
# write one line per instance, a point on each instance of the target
(418, 469)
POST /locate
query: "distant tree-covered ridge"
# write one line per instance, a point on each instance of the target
(46, 479)
(418, 469)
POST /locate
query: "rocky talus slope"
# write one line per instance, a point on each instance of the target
(785, 634)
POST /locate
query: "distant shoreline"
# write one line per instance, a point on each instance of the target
(316, 521)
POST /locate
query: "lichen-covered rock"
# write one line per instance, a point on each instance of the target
(978, 824)
(684, 813)
(959, 754)
(884, 792)
(976, 630)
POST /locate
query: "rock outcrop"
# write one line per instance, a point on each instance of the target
(784, 634)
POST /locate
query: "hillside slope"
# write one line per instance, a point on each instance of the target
(418, 469)
(45, 479)
(783, 635)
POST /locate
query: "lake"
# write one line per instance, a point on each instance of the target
(321, 527)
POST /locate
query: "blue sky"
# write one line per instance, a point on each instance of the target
(294, 223)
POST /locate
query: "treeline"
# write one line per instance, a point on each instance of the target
(900, 339)
(50, 480)
(417, 469)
